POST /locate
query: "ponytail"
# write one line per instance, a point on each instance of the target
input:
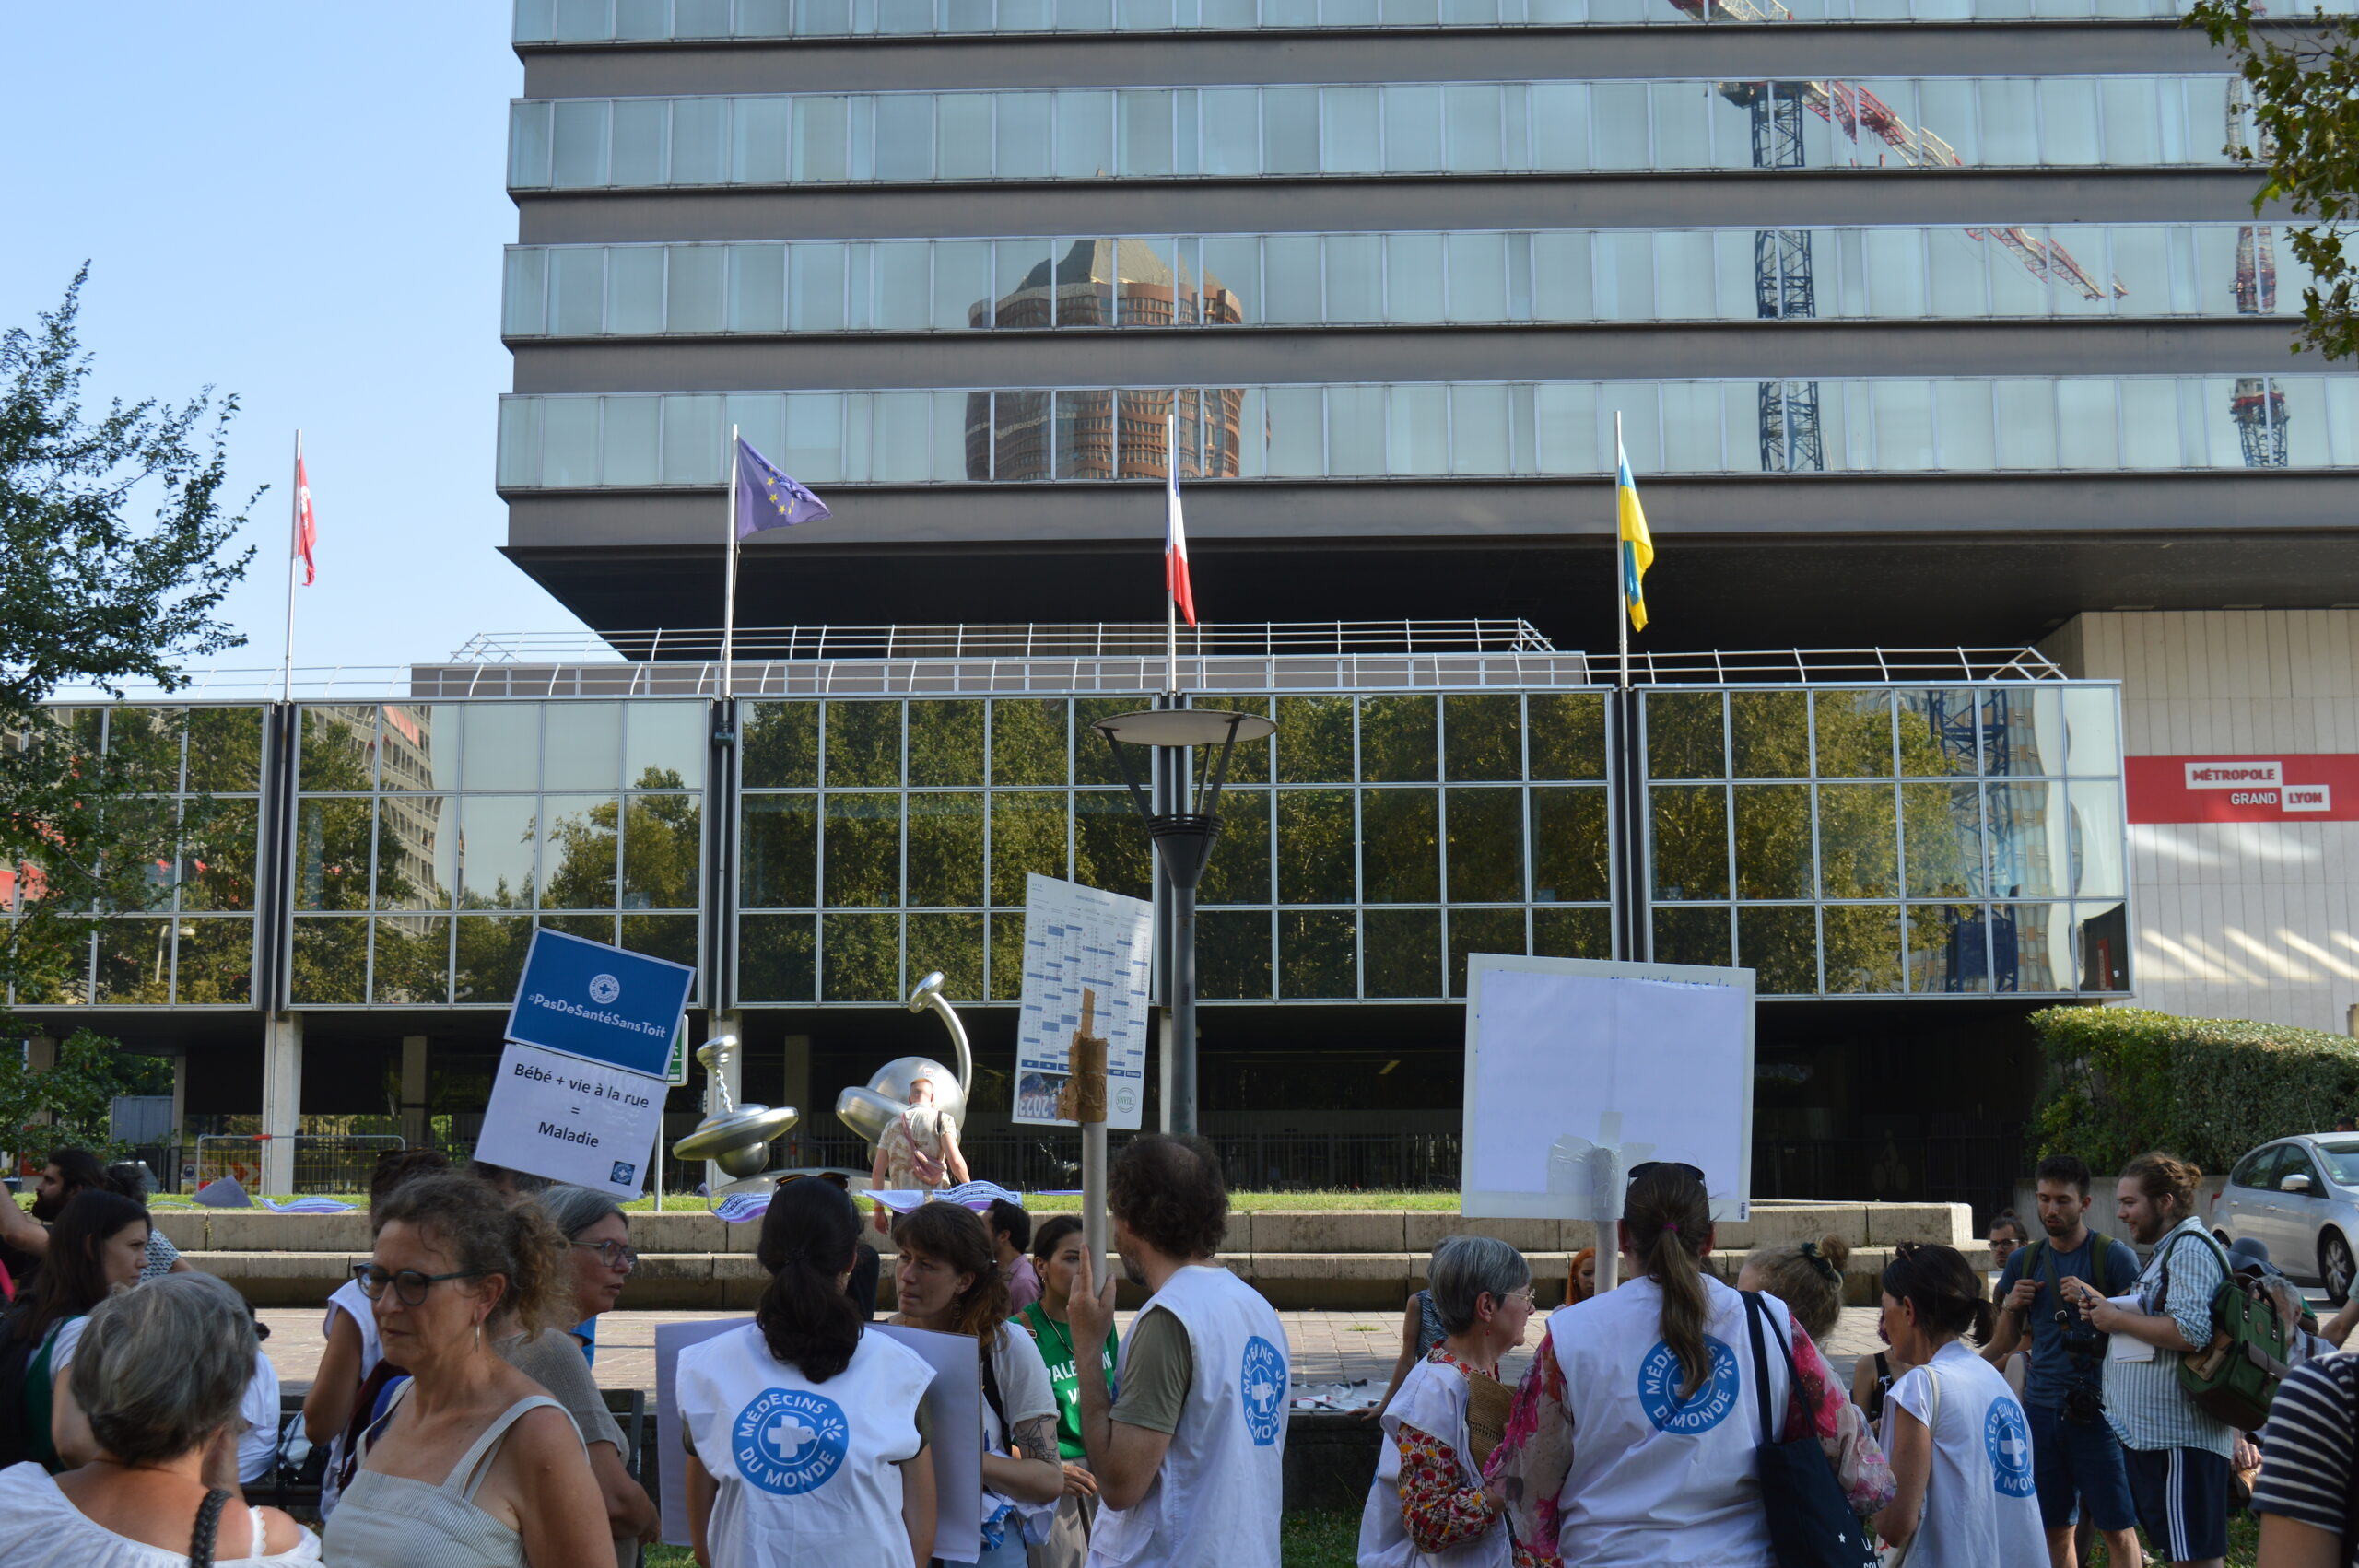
(809, 1238)
(1670, 1217)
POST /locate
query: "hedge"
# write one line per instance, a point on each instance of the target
(2123, 1079)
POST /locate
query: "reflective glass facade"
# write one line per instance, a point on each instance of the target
(431, 838)
(630, 22)
(1843, 841)
(194, 944)
(1396, 128)
(1473, 277)
(1890, 840)
(1476, 429)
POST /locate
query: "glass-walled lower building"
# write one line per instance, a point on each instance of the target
(1844, 841)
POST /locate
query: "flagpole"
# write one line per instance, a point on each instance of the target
(729, 593)
(293, 549)
(1621, 580)
(1171, 588)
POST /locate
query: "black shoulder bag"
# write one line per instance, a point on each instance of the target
(1810, 1523)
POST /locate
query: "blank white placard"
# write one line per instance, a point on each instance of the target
(1552, 1044)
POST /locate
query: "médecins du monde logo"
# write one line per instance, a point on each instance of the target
(605, 988)
(789, 1440)
(1660, 1377)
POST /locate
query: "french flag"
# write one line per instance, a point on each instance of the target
(1174, 531)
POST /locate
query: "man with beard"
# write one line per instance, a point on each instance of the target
(2177, 1456)
(24, 1239)
(2076, 1458)
(1190, 1460)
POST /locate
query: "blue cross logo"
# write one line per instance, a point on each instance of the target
(789, 1440)
(1262, 1388)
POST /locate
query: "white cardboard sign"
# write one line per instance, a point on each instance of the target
(572, 1120)
(1078, 938)
(1566, 1055)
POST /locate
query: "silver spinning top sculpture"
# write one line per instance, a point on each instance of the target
(870, 1110)
(736, 1138)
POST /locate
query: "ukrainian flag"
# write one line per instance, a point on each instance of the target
(1638, 550)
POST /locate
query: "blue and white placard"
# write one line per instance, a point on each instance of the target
(603, 1004)
(1077, 938)
(572, 1120)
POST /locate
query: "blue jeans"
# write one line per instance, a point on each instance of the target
(2071, 1463)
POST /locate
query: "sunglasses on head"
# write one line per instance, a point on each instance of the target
(1645, 1166)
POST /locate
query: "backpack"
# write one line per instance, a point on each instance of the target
(2235, 1378)
(2040, 1253)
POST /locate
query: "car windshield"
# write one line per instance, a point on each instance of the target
(2342, 1159)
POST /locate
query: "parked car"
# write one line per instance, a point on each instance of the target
(2301, 1196)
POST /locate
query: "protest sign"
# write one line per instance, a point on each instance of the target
(572, 1120)
(602, 1003)
(1087, 957)
(1568, 1059)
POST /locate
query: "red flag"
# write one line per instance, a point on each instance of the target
(307, 533)
(1175, 543)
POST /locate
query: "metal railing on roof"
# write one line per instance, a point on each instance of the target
(1841, 666)
(1112, 657)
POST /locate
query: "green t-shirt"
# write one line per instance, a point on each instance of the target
(1054, 1340)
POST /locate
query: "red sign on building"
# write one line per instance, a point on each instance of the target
(2280, 786)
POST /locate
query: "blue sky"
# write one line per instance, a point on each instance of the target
(302, 204)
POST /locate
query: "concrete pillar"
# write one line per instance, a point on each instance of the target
(415, 1130)
(184, 1153)
(282, 1100)
(796, 1092)
(733, 1075)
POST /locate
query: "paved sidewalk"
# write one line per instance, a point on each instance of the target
(1329, 1347)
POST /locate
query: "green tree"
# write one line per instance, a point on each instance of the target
(77, 1092)
(2303, 75)
(95, 597)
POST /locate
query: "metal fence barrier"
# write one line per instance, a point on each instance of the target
(323, 1163)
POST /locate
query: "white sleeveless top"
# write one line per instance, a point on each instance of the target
(40, 1527)
(348, 1300)
(1215, 1501)
(805, 1471)
(1979, 1506)
(1433, 1399)
(1659, 1481)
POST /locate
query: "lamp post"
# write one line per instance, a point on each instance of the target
(1183, 841)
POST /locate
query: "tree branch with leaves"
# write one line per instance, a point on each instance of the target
(2302, 133)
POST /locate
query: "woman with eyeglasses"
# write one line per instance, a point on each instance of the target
(1428, 1506)
(1632, 1439)
(598, 1260)
(473, 1465)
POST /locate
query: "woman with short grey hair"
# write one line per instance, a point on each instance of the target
(161, 1372)
(1427, 1506)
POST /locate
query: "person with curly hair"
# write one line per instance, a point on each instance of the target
(474, 1466)
(1190, 1458)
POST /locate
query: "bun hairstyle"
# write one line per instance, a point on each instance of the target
(1944, 1289)
(1670, 1217)
(2160, 1175)
(809, 1237)
(1808, 1277)
(485, 1235)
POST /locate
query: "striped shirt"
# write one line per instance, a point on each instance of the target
(2306, 1453)
(2142, 1398)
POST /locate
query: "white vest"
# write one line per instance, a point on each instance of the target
(1657, 1481)
(1433, 1399)
(1979, 1506)
(1215, 1503)
(804, 1470)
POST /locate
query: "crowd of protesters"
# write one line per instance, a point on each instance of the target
(2011, 1417)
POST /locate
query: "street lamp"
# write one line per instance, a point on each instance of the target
(1183, 839)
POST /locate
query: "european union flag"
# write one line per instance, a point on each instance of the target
(767, 496)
